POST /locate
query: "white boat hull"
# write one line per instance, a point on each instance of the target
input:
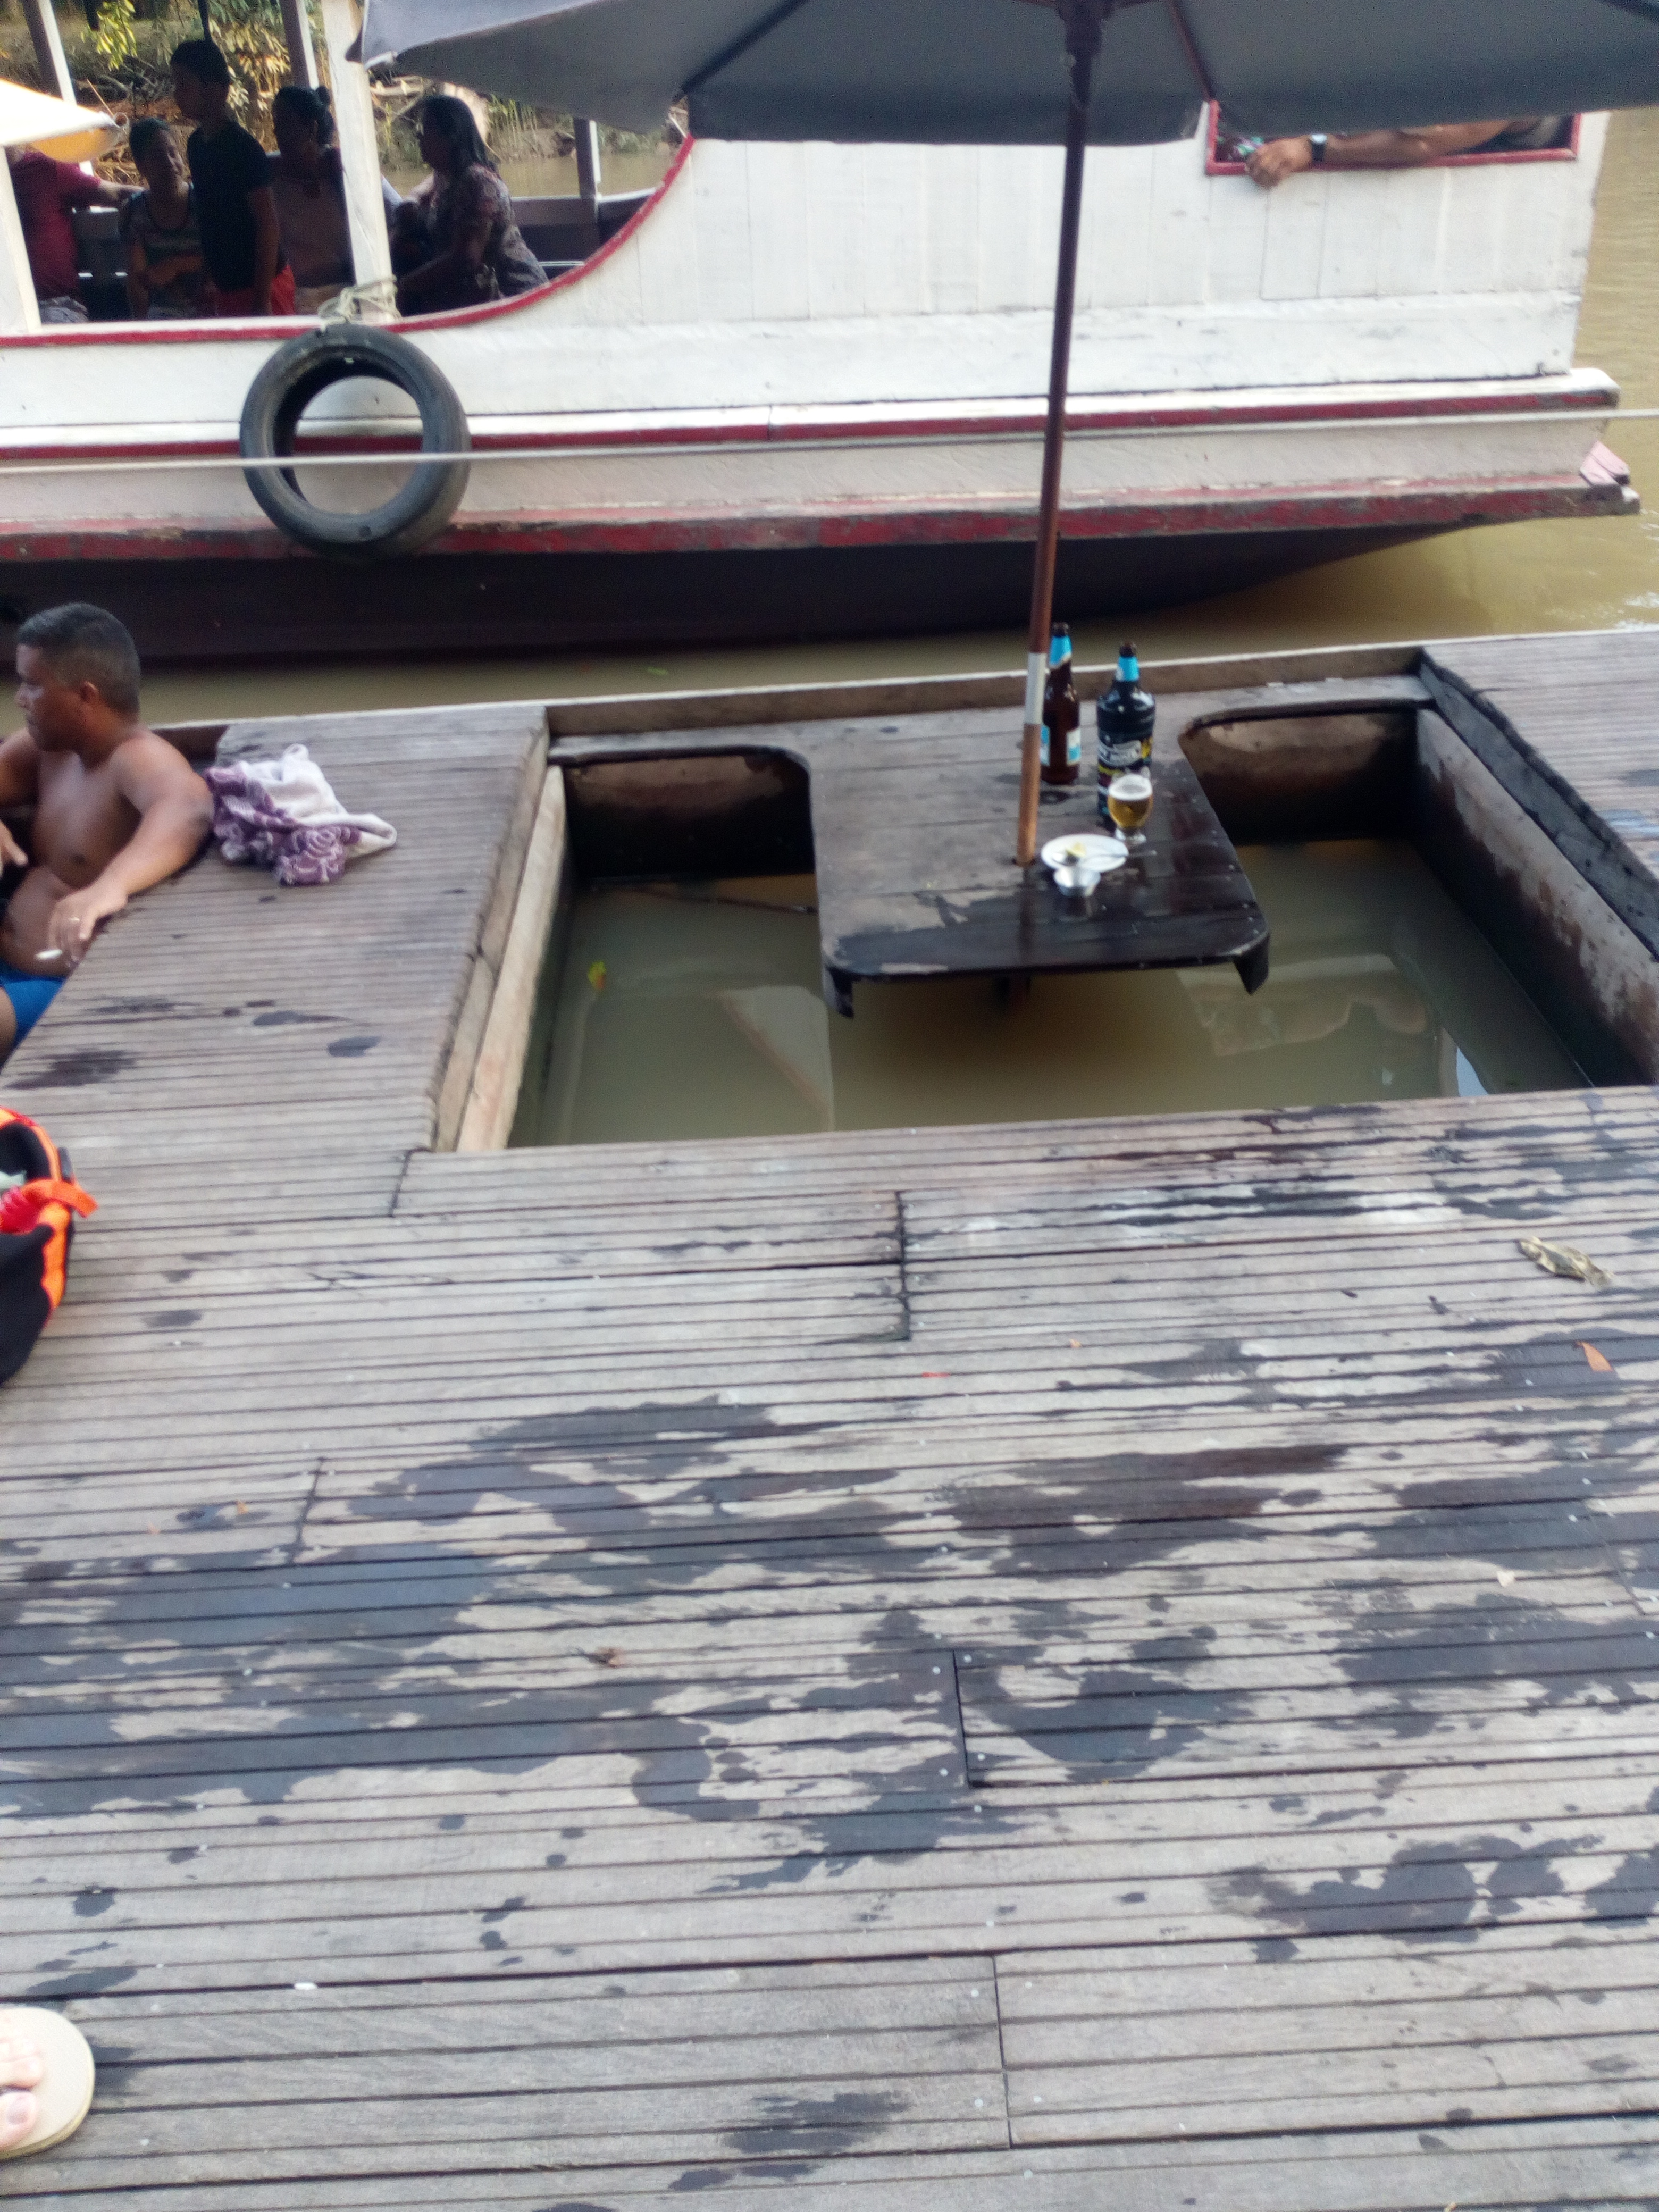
(757, 367)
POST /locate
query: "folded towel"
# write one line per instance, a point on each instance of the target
(282, 814)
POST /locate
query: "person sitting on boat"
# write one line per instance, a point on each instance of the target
(241, 243)
(164, 271)
(47, 192)
(116, 809)
(1270, 163)
(454, 243)
(308, 182)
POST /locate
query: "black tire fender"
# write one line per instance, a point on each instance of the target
(295, 373)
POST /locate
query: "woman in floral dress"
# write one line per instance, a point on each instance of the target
(454, 243)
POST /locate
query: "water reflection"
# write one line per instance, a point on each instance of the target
(695, 1011)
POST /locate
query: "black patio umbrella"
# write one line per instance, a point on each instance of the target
(988, 72)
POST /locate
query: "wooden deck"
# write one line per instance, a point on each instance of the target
(1079, 1665)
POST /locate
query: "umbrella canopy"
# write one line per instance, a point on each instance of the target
(67, 133)
(1128, 72)
(987, 72)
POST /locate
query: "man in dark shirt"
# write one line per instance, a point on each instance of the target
(235, 208)
(46, 191)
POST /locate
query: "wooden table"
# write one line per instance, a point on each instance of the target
(916, 878)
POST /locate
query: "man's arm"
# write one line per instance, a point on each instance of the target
(137, 280)
(474, 219)
(82, 189)
(267, 246)
(19, 763)
(175, 813)
(1372, 149)
(466, 255)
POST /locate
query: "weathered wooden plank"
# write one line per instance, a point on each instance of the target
(584, 1493)
(1595, 2163)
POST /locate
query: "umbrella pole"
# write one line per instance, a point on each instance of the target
(1082, 26)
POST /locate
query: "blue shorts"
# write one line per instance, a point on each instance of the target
(30, 995)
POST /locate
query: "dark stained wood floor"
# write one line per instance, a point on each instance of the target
(1089, 1664)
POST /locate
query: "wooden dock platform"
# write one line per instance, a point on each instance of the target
(1074, 1665)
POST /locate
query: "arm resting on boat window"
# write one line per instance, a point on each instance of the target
(1372, 149)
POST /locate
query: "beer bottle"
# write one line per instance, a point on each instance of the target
(1062, 740)
(1123, 722)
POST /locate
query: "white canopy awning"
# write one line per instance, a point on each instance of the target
(67, 133)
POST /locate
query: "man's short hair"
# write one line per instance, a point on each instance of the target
(202, 60)
(82, 644)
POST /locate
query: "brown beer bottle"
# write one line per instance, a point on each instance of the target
(1062, 744)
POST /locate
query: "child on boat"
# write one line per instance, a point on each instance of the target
(164, 247)
(116, 809)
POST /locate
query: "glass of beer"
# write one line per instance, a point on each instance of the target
(1129, 802)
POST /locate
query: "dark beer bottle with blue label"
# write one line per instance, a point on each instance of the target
(1062, 737)
(1124, 715)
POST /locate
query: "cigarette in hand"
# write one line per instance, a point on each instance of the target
(49, 952)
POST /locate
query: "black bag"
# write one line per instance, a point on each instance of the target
(36, 1217)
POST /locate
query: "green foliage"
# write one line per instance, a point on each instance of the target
(249, 33)
(124, 57)
(115, 40)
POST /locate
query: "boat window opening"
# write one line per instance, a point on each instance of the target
(563, 229)
(1228, 150)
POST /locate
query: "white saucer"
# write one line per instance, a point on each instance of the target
(1102, 852)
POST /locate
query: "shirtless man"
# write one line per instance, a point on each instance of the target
(116, 808)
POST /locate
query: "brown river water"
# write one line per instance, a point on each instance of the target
(1380, 989)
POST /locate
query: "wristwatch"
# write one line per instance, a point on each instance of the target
(1317, 142)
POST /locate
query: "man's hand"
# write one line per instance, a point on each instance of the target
(76, 918)
(12, 855)
(1280, 158)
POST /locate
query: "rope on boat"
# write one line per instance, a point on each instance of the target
(414, 457)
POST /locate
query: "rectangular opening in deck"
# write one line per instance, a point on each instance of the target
(1414, 955)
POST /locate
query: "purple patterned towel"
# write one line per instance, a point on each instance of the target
(282, 814)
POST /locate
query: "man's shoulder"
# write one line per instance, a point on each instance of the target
(243, 149)
(142, 735)
(145, 752)
(35, 176)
